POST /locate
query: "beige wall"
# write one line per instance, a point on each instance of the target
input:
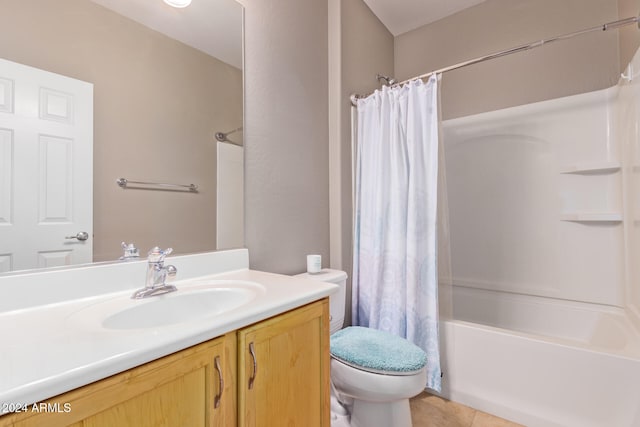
(363, 49)
(583, 64)
(157, 104)
(286, 133)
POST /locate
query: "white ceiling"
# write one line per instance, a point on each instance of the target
(214, 27)
(400, 16)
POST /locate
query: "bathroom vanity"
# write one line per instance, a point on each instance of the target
(263, 362)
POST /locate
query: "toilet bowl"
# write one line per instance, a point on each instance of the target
(376, 400)
(375, 387)
(373, 373)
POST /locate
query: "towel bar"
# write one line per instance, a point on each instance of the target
(123, 183)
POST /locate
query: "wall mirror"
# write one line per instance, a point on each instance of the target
(92, 91)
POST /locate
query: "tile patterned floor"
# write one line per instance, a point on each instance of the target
(432, 411)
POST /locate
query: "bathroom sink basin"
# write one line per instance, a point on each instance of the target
(178, 307)
(193, 302)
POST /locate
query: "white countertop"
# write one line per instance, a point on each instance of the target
(45, 351)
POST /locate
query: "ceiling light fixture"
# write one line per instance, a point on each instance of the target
(178, 3)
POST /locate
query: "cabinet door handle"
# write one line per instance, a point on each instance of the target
(216, 400)
(255, 365)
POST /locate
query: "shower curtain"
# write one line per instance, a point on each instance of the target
(395, 274)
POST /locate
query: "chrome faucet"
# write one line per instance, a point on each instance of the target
(157, 274)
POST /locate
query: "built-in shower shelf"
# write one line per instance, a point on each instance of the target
(592, 217)
(592, 168)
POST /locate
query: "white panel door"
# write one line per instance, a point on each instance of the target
(230, 196)
(46, 168)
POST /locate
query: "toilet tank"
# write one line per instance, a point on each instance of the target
(337, 300)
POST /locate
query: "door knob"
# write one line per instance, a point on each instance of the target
(81, 236)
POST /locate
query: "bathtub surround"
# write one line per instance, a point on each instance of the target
(519, 182)
(543, 214)
(626, 121)
(395, 277)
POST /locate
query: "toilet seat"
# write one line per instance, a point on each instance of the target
(377, 352)
(373, 370)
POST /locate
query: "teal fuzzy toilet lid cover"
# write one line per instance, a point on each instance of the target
(377, 351)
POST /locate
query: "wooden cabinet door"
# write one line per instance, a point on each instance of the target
(182, 389)
(283, 369)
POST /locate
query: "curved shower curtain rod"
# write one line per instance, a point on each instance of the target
(604, 27)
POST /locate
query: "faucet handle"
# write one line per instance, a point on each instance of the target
(130, 251)
(157, 255)
(171, 272)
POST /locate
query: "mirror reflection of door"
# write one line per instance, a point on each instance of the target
(46, 168)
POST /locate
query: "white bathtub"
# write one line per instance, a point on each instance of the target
(542, 362)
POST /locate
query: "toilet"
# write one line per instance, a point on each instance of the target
(373, 373)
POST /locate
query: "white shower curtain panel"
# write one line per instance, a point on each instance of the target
(396, 174)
